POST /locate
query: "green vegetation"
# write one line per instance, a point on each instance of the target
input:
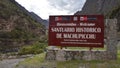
(34, 61)
(16, 26)
(38, 61)
(36, 48)
(114, 13)
(24, 25)
(7, 9)
(86, 48)
(17, 34)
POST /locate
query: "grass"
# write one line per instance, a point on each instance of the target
(85, 48)
(35, 61)
(38, 61)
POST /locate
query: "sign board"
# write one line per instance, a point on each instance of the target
(76, 30)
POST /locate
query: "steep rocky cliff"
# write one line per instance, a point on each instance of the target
(109, 8)
(17, 28)
(99, 6)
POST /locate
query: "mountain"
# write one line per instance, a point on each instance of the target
(32, 15)
(108, 8)
(99, 6)
(17, 27)
(39, 19)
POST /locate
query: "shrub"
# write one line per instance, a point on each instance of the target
(36, 48)
(114, 12)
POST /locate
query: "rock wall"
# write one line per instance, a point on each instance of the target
(111, 38)
(65, 55)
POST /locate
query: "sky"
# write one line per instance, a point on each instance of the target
(44, 8)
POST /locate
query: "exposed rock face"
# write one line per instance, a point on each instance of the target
(98, 7)
(17, 28)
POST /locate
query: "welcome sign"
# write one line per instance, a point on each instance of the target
(76, 31)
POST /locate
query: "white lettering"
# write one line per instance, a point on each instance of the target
(66, 24)
(61, 29)
(80, 36)
(87, 24)
(58, 35)
(91, 30)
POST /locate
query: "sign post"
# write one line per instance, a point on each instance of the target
(76, 31)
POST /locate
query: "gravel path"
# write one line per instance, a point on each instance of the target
(10, 63)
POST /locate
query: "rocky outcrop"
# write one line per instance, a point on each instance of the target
(98, 7)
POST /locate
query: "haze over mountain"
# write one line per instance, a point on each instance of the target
(44, 8)
(39, 19)
(33, 15)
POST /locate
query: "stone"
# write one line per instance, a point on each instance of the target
(60, 55)
(50, 55)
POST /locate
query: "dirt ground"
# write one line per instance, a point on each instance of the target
(10, 63)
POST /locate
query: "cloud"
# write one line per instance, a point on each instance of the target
(69, 5)
(44, 8)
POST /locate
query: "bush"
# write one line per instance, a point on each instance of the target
(36, 48)
(114, 12)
